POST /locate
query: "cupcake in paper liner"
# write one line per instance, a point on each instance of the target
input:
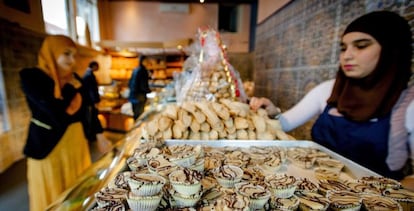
(234, 202)
(186, 181)
(331, 164)
(118, 206)
(181, 200)
(402, 196)
(135, 165)
(160, 165)
(309, 201)
(363, 188)
(305, 185)
(228, 175)
(182, 155)
(120, 181)
(304, 162)
(186, 159)
(372, 202)
(381, 182)
(281, 185)
(107, 196)
(287, 204)
(143, 203)
(326, 174)
(344, 200)
(146, 184)
(145, 152)
(257, 195)
(271, 163)
(334, 185)
(254, 174)
(198, 165)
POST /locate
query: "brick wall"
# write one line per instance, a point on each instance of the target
(19, 49)
(297, 47)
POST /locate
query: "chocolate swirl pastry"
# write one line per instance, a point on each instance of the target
(334, 185)
(115, 206)
(381, 182)
(284, 203)
(161, 165)
(399, 194)
(359, 187)
(252, 191)
(272, 161)
(254, 175)
(305, 184)
(120, 181)
(144, 150)
(212, 162)
(280, 181)
(233, 202)
(227, 172)
(186, 176)
(379, 203)
(312, 201)
(108, 196)
(147, 178)
(344, 200)
(174, 149)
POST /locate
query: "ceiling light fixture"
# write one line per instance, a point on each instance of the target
(201, 1)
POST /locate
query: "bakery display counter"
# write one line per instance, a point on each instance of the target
(238, 153)
(81, 195)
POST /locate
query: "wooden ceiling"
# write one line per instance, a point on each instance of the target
(198, 1)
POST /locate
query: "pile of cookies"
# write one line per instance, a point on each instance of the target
(207, 120)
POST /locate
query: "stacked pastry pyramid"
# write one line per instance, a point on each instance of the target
(209, 108)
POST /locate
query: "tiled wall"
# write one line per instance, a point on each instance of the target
(19, 49)
(297, 47)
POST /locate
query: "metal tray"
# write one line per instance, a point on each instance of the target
(351, 171)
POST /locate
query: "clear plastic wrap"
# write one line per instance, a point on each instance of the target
(211, 77)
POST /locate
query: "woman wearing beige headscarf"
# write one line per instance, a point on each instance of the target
(56, 148)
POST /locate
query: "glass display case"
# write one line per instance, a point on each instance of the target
(81, 196)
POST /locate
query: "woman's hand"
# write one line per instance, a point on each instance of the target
(75, 104)
(104, 145)
(256, 103)
(408, 182)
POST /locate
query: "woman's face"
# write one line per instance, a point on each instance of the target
(66, 61)
(360, 54)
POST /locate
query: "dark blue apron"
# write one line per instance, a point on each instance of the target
(365, 143)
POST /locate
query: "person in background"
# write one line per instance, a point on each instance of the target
(56, 148)
(363, 111)
(138, 88)
(94, 129)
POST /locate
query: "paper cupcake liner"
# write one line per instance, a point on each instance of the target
(144, 203)
(367, 197)
(228, 183)
(186, 189)
(145, 189)
(186, 161)
(258, 203)
(290, 207)
(283, 193)
(185, 201)
(198, 166)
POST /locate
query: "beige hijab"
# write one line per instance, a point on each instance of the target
(53, 46)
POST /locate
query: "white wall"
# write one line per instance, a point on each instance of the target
(143, 21)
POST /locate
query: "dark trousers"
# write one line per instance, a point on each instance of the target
(138, 107)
